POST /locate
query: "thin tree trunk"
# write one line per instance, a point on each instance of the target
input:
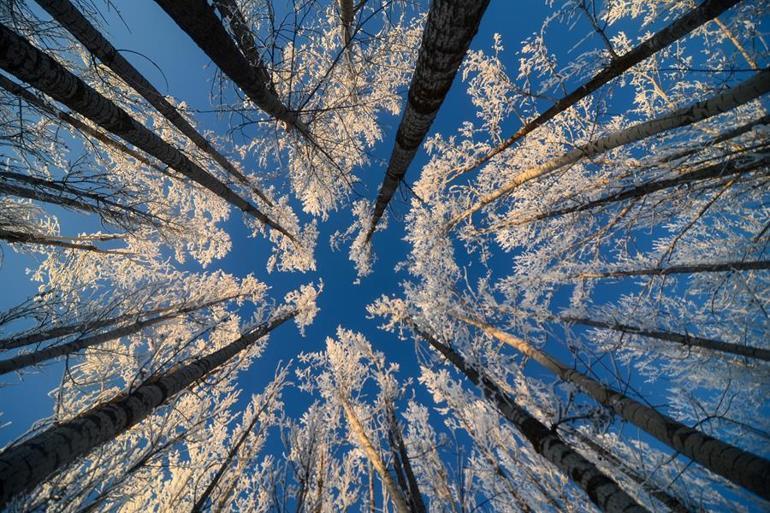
(82, 327)
(719, 170)
(346, 20)
(679, 338)
(736, 465)
(29, 64)
(30, 462)
(743, 93)
(42, 105)
(25, 360)
(357, 429)
(14, 237)
(664, 497)
(198, 19)
(410, 486)
(449, 29)
(201, 502)
(77, 25)
(705, 12)
(601, 490)
(721, 267)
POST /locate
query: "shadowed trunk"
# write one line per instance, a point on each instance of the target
(720, 170)
(15, 237)
(71, 19)
(741, 94)
(449, 29)
(721, 267)
(90, 325)
(403, 464)
(231, 454)
(25, 360)
(52, 111)
(601, 490)
(679, 338)
(28, 463)
(736, 465)
(705, 12)
(29, 64)
(358, 431)
(198, 19)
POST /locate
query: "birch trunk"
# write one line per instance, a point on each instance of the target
(679, 338)
(449, 29)
(198, 19)
(721, 267)
(25, 360)
(719, 170)
(77, 25)
(358, 431)
(601, 490)
(700, 15)
(95, 324)
(745, 92)
(736, 465)
(52, 111)
(28, 463)
(29, 64)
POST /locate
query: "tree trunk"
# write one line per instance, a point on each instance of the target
(664, 497)
(736, 465)
(25, 360)
(29, 64)
(401, 456)
(679, 338)
(743, 93)
(28, 463)
(705, 12)
(198, 19)
(346, 20)
(602, 490)
(14, 237)
(357, 429)
(85, 326)
(449, 29)
(49, 109)
(77, 25)
(719, 170)
(231, 454)
(721, 267)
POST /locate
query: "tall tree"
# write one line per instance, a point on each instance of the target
(449, 29)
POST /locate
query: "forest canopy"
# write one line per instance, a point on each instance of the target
(403, 256)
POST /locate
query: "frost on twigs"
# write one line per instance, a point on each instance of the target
(393, 311)
(304, 301)
(360, 250)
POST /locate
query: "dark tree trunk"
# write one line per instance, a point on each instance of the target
(720, 267)
(602, 490)
(28, 463)
(403, 464)
(449, 29)
(198, 19)
(16, 237)
(29, 64)
(705, 12)
(71, 19)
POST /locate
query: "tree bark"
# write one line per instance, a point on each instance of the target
(736, 465)
(30, 462)
(357, 429)
(83, 327)
(401, 456)
(52, 111)
(29, 64)
(602, 490)
(25, 360)
(719, 170)
(231, 454)
(743, 93)
(449, 29)
(720, 267)
(15, 237)
(679, 338)
(77, 25)
(198, 19)
(705, 12)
